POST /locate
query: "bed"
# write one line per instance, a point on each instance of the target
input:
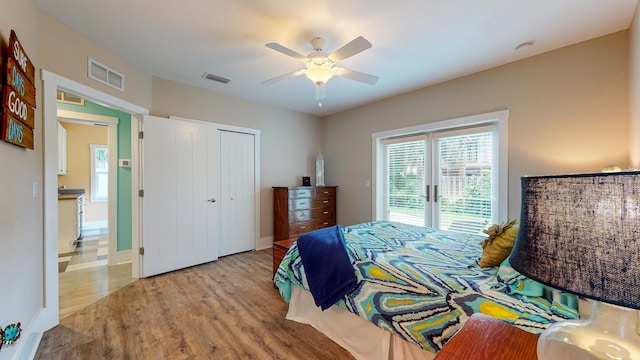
(415, 289)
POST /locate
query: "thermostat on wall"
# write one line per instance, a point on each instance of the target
(125, 163)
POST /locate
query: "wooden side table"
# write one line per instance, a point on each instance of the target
(280, 248)
(485, 338)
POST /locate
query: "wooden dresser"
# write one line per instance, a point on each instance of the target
(300, 209)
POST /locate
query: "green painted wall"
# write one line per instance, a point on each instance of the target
(124, 231)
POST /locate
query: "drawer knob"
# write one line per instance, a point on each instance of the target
(325, 212)
(326, 201)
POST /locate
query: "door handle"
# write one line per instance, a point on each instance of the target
(212, 200)
(427, 193)
(435, 193)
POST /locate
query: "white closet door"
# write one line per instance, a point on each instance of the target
(237, 192)
(180, 220)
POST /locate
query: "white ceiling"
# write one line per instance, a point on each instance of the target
(416, 43)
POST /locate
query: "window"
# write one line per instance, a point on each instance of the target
(464, 166)
(99, 173)
(450, 175)
(405, 180)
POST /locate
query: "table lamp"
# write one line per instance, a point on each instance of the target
(581, 234)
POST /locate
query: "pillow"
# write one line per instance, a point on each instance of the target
(498, 245)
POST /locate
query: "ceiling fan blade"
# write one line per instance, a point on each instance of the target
(284, 76)
(356, 46)
(285, 50)
(357, 76)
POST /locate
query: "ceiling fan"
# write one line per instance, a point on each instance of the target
(320, 66)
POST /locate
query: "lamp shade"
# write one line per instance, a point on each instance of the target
(581, 234)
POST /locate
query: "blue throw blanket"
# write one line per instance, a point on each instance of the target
(329, 271)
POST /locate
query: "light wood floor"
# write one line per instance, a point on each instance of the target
(83, 287)
(226, 309)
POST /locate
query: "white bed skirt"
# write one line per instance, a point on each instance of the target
(361, 338)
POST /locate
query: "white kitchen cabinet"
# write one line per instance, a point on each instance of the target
(62, 150)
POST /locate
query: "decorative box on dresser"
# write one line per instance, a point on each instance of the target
(300, 209)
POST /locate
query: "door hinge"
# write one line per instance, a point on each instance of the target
(141, 251)
(140, 134)
(141, 193)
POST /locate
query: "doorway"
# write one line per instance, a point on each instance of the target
(87, 209)
(51, 84)
(443, 179)
(449, 174)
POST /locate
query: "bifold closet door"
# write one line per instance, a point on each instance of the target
(237, 192)
(179, 212)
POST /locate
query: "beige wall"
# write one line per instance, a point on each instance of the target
(568, 113)
(634, 90)
(289, 140)
(21, 221)
(280, 166)
(79, 139)
(65, 52)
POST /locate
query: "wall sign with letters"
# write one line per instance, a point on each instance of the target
(18, 97)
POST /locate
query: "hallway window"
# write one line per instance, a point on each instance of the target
(99, 173)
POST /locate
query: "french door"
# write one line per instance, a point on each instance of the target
(443, 179)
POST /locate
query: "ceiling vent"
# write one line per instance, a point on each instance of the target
(105, 75)
(69, 98)
(217, 78)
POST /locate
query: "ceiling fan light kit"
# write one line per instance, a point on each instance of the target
(320, 66)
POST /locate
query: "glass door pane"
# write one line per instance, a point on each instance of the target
(464, 162)
(405, 180)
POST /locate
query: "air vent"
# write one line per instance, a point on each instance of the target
(105, 75)
(69, 98)
(217, 78)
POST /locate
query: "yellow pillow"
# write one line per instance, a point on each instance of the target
(498, 245)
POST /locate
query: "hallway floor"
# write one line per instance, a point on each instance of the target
(85, 277)
(90, 252)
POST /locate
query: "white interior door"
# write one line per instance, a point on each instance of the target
(237, 192)
(180, 220)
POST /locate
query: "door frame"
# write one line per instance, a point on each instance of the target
(51, 82)
(113, 257)
(499, 118)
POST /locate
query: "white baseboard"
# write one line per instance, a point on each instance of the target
(27, 345)
(120, 257)
(95, 225)
(264, 243)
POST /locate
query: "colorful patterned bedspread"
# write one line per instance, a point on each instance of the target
(422, 284)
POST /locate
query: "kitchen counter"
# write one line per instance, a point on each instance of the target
(69, 196)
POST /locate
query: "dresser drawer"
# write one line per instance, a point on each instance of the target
(326, 192)
(321, 201)
(311, 214)
(300, 228)
(301, 193)
(311, 203)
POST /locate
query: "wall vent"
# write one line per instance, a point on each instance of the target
(105, 75)
(69, 98)
(217, 78)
